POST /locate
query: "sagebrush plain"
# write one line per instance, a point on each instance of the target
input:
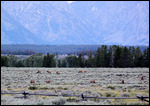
(70, 81)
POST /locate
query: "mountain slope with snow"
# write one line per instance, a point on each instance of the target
(13, 32)
(90, 22)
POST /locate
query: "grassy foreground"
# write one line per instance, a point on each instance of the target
(69, 81)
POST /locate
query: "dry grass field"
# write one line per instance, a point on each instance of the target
(71, 81)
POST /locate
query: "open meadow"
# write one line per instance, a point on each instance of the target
(70, 81)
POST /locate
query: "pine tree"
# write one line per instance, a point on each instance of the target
(97, 58)
(137, 57)
(117, 56)
(64, 63)
(45, 61)
(114, 47)
(109, 57)
(132, 55)
(59, 63)
(124, 57)
(27, 62)
(20, 64)
(48, 62)
(12, 60)
(69, 61)
(75, 61)
(103, 56)
(147, 58)
(4, 61)
(80, 61)
(89, 61)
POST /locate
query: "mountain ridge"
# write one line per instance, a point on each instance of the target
(15, 30)
(97, 23)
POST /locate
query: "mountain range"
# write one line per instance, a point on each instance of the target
(78, 23)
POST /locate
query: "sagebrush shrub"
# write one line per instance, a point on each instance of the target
(59, 101)
(125, 95)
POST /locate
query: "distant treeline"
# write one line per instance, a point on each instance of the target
(26, 52)
(19, 49)
(104, 56)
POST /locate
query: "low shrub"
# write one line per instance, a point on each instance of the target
(111, 87)
(110, 94)
(59, 101)
(33, 88)
(100, 94)
(125, 95)
(60, 87)
(119, 102)
(71, 99)
(45, 88)
(65, 88)
(135, 104)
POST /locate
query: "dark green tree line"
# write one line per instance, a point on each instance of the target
(49, 61)
(112, 56)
